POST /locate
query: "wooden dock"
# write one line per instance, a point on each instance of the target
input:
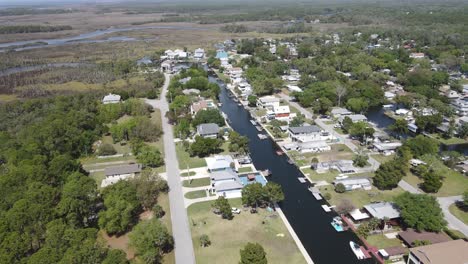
(326, 208)
(316, 193)
(302, 179)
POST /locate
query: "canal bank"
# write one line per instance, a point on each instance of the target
(303, 212)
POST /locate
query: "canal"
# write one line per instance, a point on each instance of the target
(304, 213)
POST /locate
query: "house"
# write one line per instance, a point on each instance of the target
(202, 105)
(411, 235)
(389, 95)
(281, 113)
(357, 215)
(122, 172)
(412, 127)
(402, 112)
(338, 112)
(209, 130)
(293, 88)
(354, 118)
(385, 147)
(313, 146)
(305, 133)
(111, 99)
(393, 253)
(417, 162)
(416, 55)
(199, 54)
(451, 252)
(355, 183)
(167, 66)
(344, 166)
(460, 106)
(268, 102)
(226, 183)
(382, 210)
(219, 163)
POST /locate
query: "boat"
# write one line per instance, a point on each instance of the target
(279, 152)
(261, 136)
(337, 224)
(357, 250)
(239, 104)
(266, 172)
(290, 161)
(259, 128)
(253, 122)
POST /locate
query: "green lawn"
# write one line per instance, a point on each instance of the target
(381, 241)
(245, 169)
(360, 197)
(196, 182)
(186, 174)
(449, 141)
(185, 159)
(382, 159)
(195, 194)
(459, 213)
(454, 183)
(229, 236)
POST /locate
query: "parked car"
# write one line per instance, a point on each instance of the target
(235, 210)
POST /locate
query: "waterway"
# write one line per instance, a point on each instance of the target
(40, 43)
(304, 213)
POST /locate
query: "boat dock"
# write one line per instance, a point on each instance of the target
(326, 208)
(316, 193)
(302, 179)
(253, 122)
(259, 128)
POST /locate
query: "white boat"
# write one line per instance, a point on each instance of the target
(357, 250)
(253, 122)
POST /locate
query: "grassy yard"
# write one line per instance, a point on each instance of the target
(459, 213)
(229, 236)
(381, 241)
(454, 183)
(195, 194)
(338, 151)
(185, 159)
(449, 141)
(360, 197)
(382, 159)
(245, 169)
(186, 174)
(98, 177)
(196, 182)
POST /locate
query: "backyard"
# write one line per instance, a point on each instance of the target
(359, 198)
(454, 183)
(381, 241)
(196, 182)
(185, 159)
(229, 236)
(459, 213)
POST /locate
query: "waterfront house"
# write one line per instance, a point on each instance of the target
(450, 252)
(382, 210)
(268, 102)
(226, 183)
(412, 127)
(199, 54)
(280, 113)
(338, 112)
(209, 130)
(293, 88)
(343, 166)
(409, 236)
(355, 183)
(219, 163)
(111, 99)
(122, 172)
(387, 147)
(393, 253)
(354, 118)
(313, 146)
(203, 104)
(305, 133)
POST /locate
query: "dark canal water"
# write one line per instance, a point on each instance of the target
(304, 213)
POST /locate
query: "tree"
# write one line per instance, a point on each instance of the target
(148, 186)
(357, 105)
(208, 116)
(150, 156)
(151, 240)
(238, 143)
(400, 127)
(347, 123)
(182, 129)
(253, 194)
(252, 99)
(274, 193)
(122, 208)
(340, 92)
(463, 131)
(106, 150)
(389, 174)
(203, 147)
(205, 241)
(222, 206)
(115, 256)
(340, 188)
(253, 253)
(158, 211)
(432, 182)
(297, 121)
(421, 145)
(421, 212)
(361, 130)
(360, 159)
(345, 206)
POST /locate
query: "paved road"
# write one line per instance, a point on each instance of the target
(444, 202)
(184, 253)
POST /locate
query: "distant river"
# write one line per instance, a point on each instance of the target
(39, 43)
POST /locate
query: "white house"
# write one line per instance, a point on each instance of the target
(313, 146)
(117, 173)
(355, 183)
(354, 118)
(268, 102)
(305, 133)
(280, 113)
(111, 99)
(338, 112)
(199, 54)
(294, 88)
(461, 106)
(226, 183)
(219, 163)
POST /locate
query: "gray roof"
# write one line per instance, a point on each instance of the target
(223, 175)
(123, 169)
(304, 129)
(228, 185)
(208, 129)
(339, 110)
(382, 210)
(352, 181)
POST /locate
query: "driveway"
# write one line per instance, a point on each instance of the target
(184, 253)
(453, 222)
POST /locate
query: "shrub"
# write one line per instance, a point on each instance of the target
(106, 150)
(340, 188)
(158, 211)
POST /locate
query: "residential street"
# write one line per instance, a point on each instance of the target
(184, 253)
(444, 202)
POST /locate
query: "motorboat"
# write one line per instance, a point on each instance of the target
(337, 224)
(357, 250)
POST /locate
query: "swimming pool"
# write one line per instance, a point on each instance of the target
(258, 178)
